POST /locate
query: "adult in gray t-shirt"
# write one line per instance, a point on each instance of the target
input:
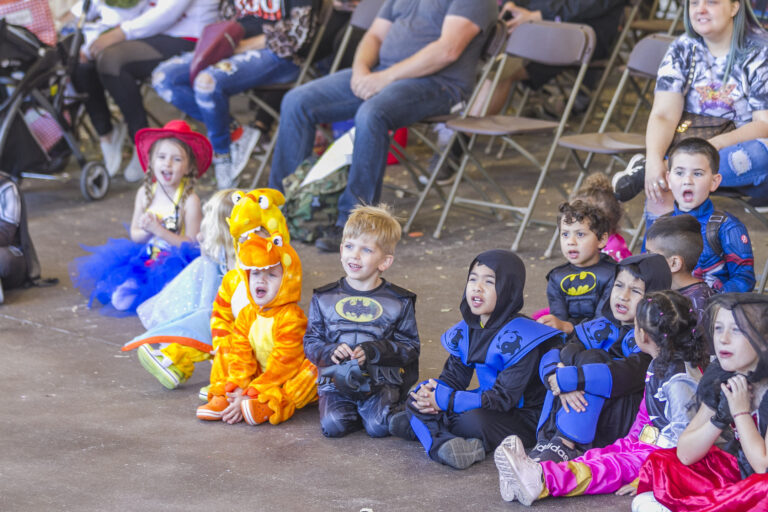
(418, 59)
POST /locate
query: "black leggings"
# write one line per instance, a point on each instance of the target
(120, 69)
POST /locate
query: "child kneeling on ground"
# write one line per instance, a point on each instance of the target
(457, 427)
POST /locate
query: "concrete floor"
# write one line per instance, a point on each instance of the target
(84, 427)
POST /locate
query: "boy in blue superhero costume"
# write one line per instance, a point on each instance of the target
(578, 289)
(599, 375)
(362, 332)
(457, 427)
(692, 176)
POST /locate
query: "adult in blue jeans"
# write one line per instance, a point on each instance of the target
(275, 34)
(418, 59)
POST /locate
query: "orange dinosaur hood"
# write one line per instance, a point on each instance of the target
(254, 210)
(261, 253)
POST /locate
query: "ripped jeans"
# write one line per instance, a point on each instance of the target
(744, 166)
(208, 100)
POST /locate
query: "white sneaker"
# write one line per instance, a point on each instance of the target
(222, 168)
(241, 150)
(506, 477)
(525, 475)
(133, 171)
(112, 149)
(646, 502)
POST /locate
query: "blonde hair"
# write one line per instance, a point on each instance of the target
(377, 221)
(215, 238)
(190, 177)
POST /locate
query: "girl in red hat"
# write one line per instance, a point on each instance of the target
(164, 226)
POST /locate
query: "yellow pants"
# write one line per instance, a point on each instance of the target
(184, 358)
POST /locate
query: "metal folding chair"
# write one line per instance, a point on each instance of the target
(643, 64)
(545, 42)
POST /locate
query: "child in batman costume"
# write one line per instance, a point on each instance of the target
(577, 290)
(595, 382)
(504, 348)
(362, 332)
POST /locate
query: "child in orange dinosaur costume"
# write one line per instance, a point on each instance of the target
(260, 372)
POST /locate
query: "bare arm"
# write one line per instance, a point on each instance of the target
(698, 438)
(739, 395)
(662, 122)
(138, 234)
(252, 43)
(456, 34)
(756, 129)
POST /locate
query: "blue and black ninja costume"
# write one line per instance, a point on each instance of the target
(576, 293)
(601, 359)
(382, 322)
(505, 354)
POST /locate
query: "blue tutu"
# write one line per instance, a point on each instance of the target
(124, 264)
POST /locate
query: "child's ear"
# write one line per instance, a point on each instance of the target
(716, 179)
(386, 262)
(675, 263)
(602, 241)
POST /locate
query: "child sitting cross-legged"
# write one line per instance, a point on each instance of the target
(665, 329)
(458, 426)
(595, 381)
(362, 331)
(679, 240)
(733, 406)
(726, 263)
(577, 290)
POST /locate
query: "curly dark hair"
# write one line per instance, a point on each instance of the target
(597, 190)
(668, 318)
(579, 211)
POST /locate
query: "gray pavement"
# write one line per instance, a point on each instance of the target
(84, 427)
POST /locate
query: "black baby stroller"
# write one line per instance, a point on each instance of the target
(33, 88)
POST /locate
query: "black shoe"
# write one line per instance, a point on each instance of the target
(445, 175)
(400, 426)
(554, 451)
(631, 181)
(331, 239)
(460, 453)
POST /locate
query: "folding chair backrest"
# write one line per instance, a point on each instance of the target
(322, 21)
(552, 43)
(647, 55)
(364, 14)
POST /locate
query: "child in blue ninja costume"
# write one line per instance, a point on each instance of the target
(599, 375)
(457, 427)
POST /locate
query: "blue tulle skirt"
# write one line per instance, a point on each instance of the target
(124, 263)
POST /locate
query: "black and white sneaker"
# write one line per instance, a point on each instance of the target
(554, 450)
(631, 181)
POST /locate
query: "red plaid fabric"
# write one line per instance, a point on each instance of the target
(35, 15)
(44, 127)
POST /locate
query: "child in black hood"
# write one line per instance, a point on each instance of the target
(596, 381)
(457, 427)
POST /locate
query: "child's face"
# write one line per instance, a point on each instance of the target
(580, 244)
(265, 283)
(625, 295)
(170, 163)
(733, 349)
(691, 180)
(363, 259)
(481, 292)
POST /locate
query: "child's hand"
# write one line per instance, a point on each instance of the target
(341, 353)
(553, 321)
(574, 399)
(232, 414)
(424, 398)
(629, 489)
(359, 355)
(552, 380)
(149, 223)
(738, 393)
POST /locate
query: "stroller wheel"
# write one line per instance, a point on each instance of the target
(94, 181)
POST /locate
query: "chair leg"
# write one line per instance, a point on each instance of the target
(267, 157)
(451, 195)
(763, 279)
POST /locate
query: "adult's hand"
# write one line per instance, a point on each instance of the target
(107, 39)
(655, 179)
(517, 15)
(365, 85)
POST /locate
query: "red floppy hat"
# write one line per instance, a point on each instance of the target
(175, 129)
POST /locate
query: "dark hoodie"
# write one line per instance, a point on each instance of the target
(519, 380)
